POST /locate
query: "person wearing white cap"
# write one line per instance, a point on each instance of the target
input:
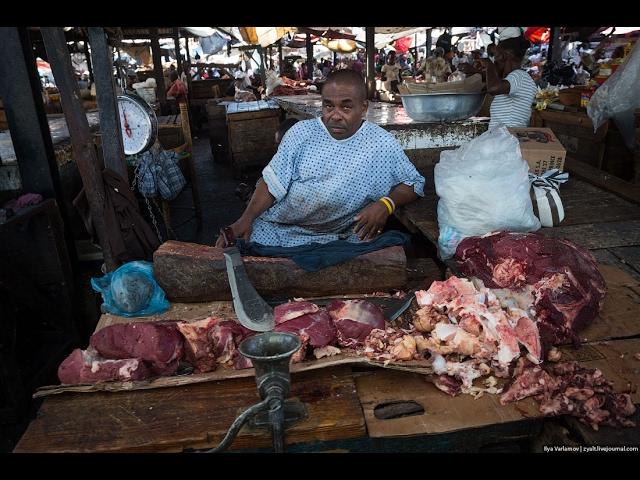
(513, 88)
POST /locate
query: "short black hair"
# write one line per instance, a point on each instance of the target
(517, 46)
(349, 77)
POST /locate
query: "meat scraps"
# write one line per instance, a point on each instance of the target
(393, 344)
(159, 344)
(354, 320)
(87, 366)
(470, 321)
(566, 288)
(567, 388)
(198, 344)
(210, 341)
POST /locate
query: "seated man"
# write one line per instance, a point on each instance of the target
(329, 176)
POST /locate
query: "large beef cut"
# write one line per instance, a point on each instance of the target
(354, 320)
(160, 345)
(87, 366)
(317, 326)
(562, 280)
(290, 310)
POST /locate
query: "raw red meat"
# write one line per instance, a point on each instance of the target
(160, 345)
(199, 345)
(317, 326)
(567, 388)
(86, 366)
(354, 320)
(568, 289)
(290, 310)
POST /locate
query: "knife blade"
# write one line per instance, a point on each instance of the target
(251, 309)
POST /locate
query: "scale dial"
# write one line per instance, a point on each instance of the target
(138, 124)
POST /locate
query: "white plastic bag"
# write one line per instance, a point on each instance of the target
(483, 186)
(618, 97)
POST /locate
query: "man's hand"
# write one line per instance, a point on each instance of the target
(371, 221)
(241, 229)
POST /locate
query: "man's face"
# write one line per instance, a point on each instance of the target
(391, 59)
(342, 109)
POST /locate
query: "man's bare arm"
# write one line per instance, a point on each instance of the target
(260, 202)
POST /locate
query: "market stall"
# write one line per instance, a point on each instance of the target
(461, 326)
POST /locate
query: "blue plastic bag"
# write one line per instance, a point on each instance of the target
(131, 291)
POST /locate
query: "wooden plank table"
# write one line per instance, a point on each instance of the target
(190, 416)
(343, 404)
(597, 219)
(197, 415)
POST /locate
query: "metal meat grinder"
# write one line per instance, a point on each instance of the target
(270, 353)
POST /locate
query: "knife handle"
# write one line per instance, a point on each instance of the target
(229, 236)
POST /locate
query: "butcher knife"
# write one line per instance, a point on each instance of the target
(251, 309)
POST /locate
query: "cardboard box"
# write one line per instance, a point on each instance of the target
(540, 148)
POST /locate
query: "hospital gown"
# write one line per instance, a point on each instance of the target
(320, 183)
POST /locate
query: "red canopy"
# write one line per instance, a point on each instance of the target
(403, 44)
(537, 34)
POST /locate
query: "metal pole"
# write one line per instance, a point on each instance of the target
(280, 56)
(112, 149)
(81, 141)
(429, 43)
(371, 56)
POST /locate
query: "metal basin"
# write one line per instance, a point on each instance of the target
(442, 107)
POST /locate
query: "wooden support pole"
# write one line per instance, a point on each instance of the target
(371, 55)
(81, 141)
(280, 56)
(112, 149)
(309, 57)
(88, 57)
(429, 44)
(157, 70)
(21, 93)
(554, 53)
(188, 70)
(176, 42)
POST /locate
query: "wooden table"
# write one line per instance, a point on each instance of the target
(599, 220)
(191, 416)
(349, 407)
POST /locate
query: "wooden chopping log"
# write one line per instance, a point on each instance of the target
(189, 272)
